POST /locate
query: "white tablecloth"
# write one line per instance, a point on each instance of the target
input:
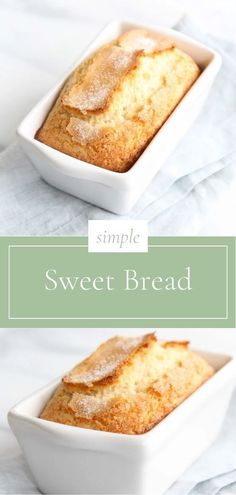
(29, 358)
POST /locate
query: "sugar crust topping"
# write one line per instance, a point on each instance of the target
(140, 39)
(86, 406)
(111, 357)
(102, 77)
(82, 131)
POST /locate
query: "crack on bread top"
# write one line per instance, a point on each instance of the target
(108, 68)
(104, 75)
(107, 363)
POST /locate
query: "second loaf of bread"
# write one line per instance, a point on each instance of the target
(116, 100)
(128, 385)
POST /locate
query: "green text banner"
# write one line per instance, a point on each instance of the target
(56, 282)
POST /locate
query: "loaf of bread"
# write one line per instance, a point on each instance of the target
(128, 385)
(116, 100)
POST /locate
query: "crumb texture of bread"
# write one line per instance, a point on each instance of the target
(117, 99)
(128, 385)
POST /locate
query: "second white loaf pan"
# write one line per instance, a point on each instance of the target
(68, 459)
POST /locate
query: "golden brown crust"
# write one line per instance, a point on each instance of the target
(127, 385)
(107, 363)
(104, 76)
(116, 100)
(173, 343)
(147, 41)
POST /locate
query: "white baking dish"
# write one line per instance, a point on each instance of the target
(114, 191)
(67, 459)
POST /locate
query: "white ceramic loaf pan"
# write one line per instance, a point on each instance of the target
(115, 191)
(66, 459)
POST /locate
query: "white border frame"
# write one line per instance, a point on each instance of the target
(226, 317)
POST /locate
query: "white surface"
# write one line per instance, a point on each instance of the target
(48, 38)
(113, 191)
(89, 461)
(29, 358)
